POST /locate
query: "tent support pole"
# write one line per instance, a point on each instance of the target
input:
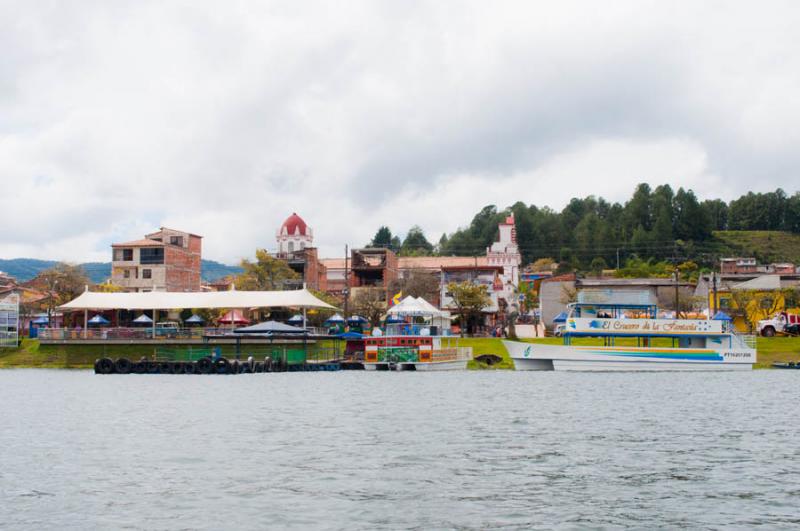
(304, 318)
(154, 324)
(85, 321)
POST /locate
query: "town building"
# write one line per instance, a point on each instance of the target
(381, 269)
(749, 265)
(166, 260)
(296, 246)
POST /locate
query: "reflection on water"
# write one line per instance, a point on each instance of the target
(398, 450)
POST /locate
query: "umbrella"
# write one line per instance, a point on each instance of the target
(560, 318)
(195, 319)
(722, 316)
(98, 320)
(143, 319)
(357, 319)
(335, 318)
(234, 317)
(296, 318)
(270, 327)
(41, 320)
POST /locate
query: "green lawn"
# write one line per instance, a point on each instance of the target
(32, 354)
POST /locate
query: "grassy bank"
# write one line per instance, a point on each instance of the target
(33, 354)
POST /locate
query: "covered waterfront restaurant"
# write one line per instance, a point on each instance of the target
(161, 300)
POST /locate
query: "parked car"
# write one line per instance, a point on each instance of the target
(168, 329)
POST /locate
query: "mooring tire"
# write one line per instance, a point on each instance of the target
(236, 367)
(259, 367)
(123, 366)
(204, 365)
(189, 368)
(104, 366)
(267, 364)
(176, 367)
(223, 366)
(140, 367)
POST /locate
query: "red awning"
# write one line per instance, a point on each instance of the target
(234, 317)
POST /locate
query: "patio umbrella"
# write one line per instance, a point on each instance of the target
(40, 320)
(143, 319)
(296, 319)
(357, 319)
(98, 320)
(234, 317)
(722, 316)
(195, 319)
(335, 318)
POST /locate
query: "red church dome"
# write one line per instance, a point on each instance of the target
(293, 223)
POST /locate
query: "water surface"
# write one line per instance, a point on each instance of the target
(354, 450)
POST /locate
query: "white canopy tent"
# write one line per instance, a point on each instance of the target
(419, 307)
(168, 300)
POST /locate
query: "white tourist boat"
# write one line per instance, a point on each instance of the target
(660, 344)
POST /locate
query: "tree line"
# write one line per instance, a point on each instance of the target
(654, 223)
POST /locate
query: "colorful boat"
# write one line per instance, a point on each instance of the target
(414, 353)
(651, 344)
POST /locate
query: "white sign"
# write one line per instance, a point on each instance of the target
(645, 326)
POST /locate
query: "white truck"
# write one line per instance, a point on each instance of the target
(781, 322)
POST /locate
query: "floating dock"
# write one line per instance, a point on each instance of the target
(210, 365)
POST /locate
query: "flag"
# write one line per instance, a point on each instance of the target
(396, 298)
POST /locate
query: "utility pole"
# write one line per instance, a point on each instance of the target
(618, 259)
(677, 301)
(714, 289)
(346, 279)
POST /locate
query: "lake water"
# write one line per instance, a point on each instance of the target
(355, 450)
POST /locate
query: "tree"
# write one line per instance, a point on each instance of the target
(61, 283)
(265, 274)
(370, 304)
(469, 299)
(416, 244)
(417, 283)
(383, 238)
(598, 265)
(543, 264)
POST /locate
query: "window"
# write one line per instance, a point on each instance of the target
(151, 255)
(123, 255)
(291, 247)
(126, 273)
(147, 273)
(724, 303)
(176, 240)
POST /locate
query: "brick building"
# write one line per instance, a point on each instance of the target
(167, 260)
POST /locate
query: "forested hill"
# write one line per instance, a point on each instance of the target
(24, 269)
(655, 223)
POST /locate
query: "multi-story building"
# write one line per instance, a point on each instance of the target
(167, 260)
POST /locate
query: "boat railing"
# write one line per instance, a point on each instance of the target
(745, 340)
(452, 354)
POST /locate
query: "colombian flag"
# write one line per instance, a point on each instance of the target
(396, 298)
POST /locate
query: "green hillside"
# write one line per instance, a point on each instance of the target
(24, 269)
(765, 245)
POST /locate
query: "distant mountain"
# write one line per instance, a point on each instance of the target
(24, 269)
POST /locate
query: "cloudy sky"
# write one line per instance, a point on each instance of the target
(222, 118)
